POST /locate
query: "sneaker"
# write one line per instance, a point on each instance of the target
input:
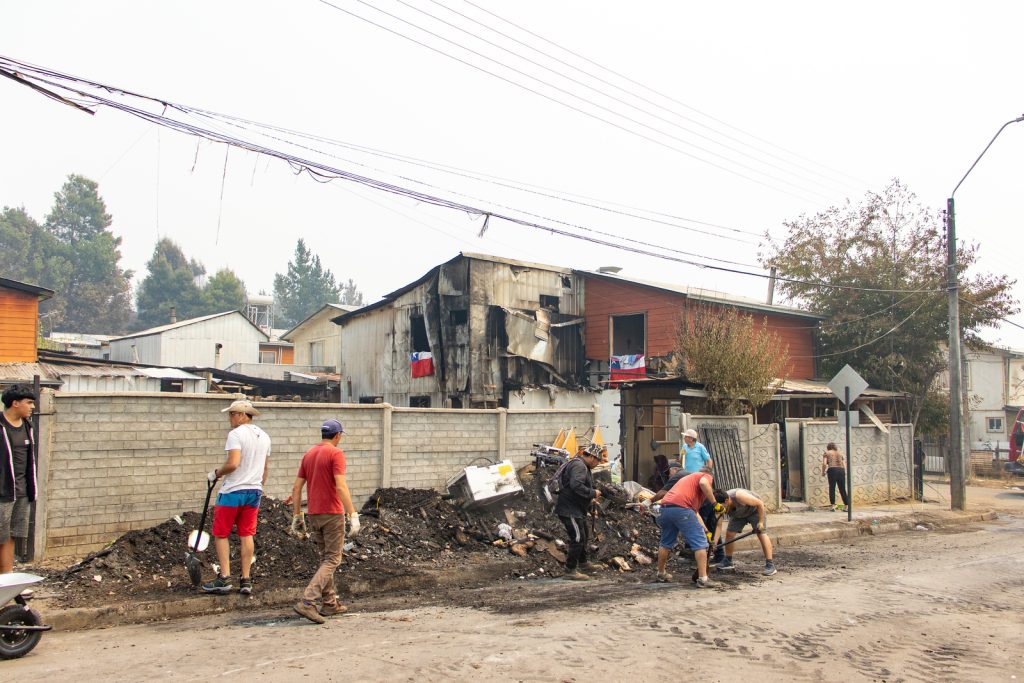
(331, 610)
(726, 563)
(663, 577)
(245, 586)
(308, 610)
(703, 582)
(594, 566)
(769, 568)
(576, 576)
(219, 586)
(839, 507)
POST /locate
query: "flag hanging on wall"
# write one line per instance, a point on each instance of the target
(623, 368)
(422, 363)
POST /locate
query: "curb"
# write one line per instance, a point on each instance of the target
(82, 618)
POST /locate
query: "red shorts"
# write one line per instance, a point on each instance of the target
(227, 515)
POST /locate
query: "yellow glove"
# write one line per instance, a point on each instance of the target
(719, 508)
(710, 536)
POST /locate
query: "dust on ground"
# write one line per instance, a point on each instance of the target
(405, 533)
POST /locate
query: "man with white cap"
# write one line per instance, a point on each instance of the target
(238, 501)
(693, 454)
(328, 500)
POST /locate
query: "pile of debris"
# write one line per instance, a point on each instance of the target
(403, 532)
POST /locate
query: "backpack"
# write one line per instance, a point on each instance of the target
(553, 486)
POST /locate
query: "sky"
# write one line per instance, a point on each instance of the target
(716, 122)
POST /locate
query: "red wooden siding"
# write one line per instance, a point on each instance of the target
(19, 317)
(605, 298)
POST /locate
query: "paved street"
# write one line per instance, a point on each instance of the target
(912, 606)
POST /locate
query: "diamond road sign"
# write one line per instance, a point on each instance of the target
(847, 377)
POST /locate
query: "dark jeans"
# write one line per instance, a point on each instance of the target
(707, 513)
(837, 477)
(576, 528)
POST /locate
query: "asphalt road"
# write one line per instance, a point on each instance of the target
(913, 606)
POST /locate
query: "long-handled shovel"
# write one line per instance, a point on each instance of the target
(733, 540)
(198, 540)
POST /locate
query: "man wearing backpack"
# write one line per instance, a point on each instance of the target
(575, 497)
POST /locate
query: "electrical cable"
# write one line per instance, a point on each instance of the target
(324, 173)
(651, 90)
(870, 342)
(570, 106)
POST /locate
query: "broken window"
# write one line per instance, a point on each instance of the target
(418, 332)
(419, 401)
(549, 302)
(371, 399)
(628, 334)
(175, 385)
(460, 317)
(566, 282)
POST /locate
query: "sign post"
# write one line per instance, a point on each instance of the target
(847, 386)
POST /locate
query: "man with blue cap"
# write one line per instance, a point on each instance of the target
(328, 500)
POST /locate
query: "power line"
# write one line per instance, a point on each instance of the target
(603, 93)
(324, 173)
(868, 343)
(652, 90)
(631, 93)
(1000, 318)
(568, 105)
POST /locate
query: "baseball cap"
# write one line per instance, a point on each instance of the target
(674, 463)
(331, 427)
(241, 407)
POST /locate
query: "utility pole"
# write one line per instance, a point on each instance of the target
(958, 464)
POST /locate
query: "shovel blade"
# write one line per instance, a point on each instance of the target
(204, 540)
(195, 568)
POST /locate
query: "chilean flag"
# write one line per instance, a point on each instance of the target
(422, 363)
(624, 368)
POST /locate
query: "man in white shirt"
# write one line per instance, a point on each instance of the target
(238, 501)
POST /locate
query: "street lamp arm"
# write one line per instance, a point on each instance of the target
(1016, 120)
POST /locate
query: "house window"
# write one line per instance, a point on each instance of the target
(419, 401)
(418, 331)
(316, 353)
(173, 385)
(268, 357)
(627, 334)
(995, 424)
(371, 399)
(549, 302)
(460, 317)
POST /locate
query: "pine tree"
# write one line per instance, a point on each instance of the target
(170, 281)
(304, 288)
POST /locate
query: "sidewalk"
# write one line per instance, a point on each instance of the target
(787, 529)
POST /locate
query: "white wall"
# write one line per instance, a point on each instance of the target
(319, 328)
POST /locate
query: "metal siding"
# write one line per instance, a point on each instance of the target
(193, 345)
(147, 348)
(319, 328)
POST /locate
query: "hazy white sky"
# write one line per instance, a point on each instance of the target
(786, 108)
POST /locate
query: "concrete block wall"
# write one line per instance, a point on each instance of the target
(111, 463)
(881, 462)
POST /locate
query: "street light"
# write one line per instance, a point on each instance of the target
(957, 469)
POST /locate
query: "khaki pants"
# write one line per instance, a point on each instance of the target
(328, 532)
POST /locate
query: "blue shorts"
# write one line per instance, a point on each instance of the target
(678, 520)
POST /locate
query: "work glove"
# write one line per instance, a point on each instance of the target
(211, 476)
(298, 525)
(719, 508)
(353, 524)
(710, 536)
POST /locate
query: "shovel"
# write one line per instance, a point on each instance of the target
(198, 540)
(693, 577)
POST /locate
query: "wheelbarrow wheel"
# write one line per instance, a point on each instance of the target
(17, 643)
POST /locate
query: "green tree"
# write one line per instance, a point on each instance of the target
(877, 271)
(303, 288)
(170, 281)
(28, 253)
(350, 294)
(223, 292)
(739, 360)
(96, 294)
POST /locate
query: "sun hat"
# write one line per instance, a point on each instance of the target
(242, 407)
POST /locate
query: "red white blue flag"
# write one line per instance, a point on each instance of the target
(422, 363)
(624, 368)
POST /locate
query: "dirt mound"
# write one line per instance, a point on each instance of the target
(403, 531)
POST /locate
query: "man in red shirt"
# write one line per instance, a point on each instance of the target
(680, 513)
(323, 469)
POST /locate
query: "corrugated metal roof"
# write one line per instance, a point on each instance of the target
(803, 386)
(54, 372)
(191, 321)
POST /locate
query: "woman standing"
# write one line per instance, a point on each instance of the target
(833, 465)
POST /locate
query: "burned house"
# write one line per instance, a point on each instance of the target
(469, 334)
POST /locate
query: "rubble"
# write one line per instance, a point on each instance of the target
(403, 532)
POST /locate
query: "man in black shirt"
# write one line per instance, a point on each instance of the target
(574, 501)
(17, 470)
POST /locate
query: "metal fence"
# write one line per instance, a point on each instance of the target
(935, 458)
(731, 467)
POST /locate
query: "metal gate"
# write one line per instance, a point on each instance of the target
(723, 443)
